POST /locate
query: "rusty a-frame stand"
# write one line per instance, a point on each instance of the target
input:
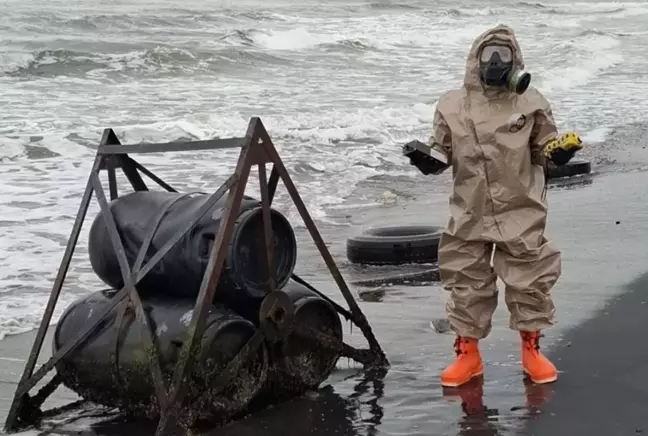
(257, 149)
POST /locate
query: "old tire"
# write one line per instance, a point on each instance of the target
(395, 245)
(572, 168)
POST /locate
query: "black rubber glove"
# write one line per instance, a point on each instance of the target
(561, 157)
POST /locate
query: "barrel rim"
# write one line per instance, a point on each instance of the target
(287, 265)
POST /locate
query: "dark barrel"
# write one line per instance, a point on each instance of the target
(299, 364)
(180, 271)
(111, 368)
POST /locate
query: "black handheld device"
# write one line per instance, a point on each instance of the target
(426, 159)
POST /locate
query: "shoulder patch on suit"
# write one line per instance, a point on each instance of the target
(516, 122)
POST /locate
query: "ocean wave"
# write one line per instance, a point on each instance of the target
(53, 62)
(165, 19)
(10, 149)
(389, 5)
(575, 8)
(127, 20)
(348, 44)
(301, 38)
(464, 12)
(596, 32)
(238, 57)
(591, 53)
(42, 22)
(236, 47)
(60, 62)
(238, 37)
(261, 16)
(233, 15)
(531, 5)
(159, 59)
(569, 11)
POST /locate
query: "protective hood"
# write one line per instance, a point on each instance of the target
(501, 34)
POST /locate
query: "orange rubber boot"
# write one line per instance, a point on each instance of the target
(468, 364)
(534, 363)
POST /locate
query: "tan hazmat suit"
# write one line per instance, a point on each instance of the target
(493, 140)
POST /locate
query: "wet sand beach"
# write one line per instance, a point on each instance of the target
(598, 222)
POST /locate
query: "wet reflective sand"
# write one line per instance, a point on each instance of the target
(599, 226)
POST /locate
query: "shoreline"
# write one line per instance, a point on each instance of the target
(583, 222)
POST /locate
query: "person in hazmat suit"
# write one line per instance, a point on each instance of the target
(498, 133)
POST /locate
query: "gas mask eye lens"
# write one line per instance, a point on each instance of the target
(505, 53)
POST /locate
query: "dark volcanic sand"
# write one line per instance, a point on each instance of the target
(599, 390)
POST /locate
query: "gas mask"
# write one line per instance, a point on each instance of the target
(496, 69)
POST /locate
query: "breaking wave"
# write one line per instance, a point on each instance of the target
(235, 47)
(160, 59)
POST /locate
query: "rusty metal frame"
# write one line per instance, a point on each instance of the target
(257, 149)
